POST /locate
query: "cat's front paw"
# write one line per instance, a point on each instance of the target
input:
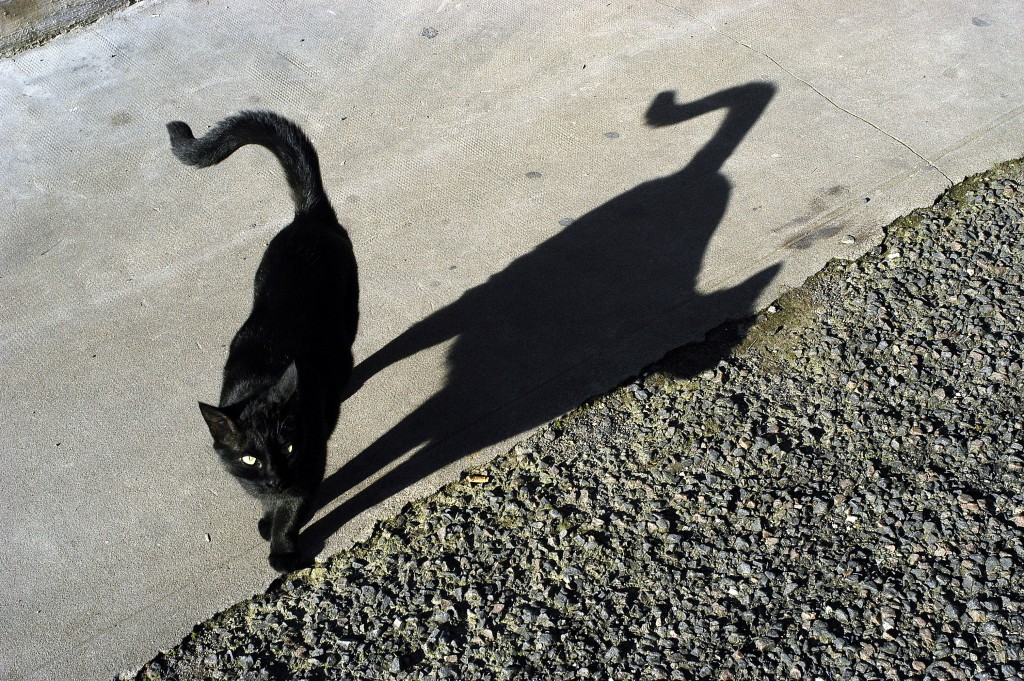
(286, 561)
(264, 526)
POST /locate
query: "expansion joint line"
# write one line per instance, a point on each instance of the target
(922, 157)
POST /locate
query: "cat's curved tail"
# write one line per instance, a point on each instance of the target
(265, 128)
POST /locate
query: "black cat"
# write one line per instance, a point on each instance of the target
(289, 363)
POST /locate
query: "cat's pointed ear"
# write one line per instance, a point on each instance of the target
(222, 427)
(286, 385)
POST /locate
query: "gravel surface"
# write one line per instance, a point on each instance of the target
(840, 498)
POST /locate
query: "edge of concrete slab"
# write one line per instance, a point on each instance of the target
(31, 23)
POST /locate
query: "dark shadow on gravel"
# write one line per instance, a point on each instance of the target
(561, 311)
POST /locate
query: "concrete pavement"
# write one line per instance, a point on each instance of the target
(543, 199)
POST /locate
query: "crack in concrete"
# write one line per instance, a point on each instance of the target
(922, 157)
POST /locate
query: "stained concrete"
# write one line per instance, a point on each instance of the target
(542, 198)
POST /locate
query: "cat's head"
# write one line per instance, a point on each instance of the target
(258, 438)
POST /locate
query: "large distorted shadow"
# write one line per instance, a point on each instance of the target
(532, 337)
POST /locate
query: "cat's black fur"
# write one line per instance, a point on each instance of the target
(289, 363)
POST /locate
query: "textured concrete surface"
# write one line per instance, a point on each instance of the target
(534, 220)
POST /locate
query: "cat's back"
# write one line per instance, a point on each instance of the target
(305, 293)
(313, 251)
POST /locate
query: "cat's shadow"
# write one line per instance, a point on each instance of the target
(549, 327)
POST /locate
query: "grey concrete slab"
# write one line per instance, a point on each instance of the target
(521, 229)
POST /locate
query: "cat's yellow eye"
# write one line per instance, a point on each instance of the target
(289, 449)
(249, 460)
